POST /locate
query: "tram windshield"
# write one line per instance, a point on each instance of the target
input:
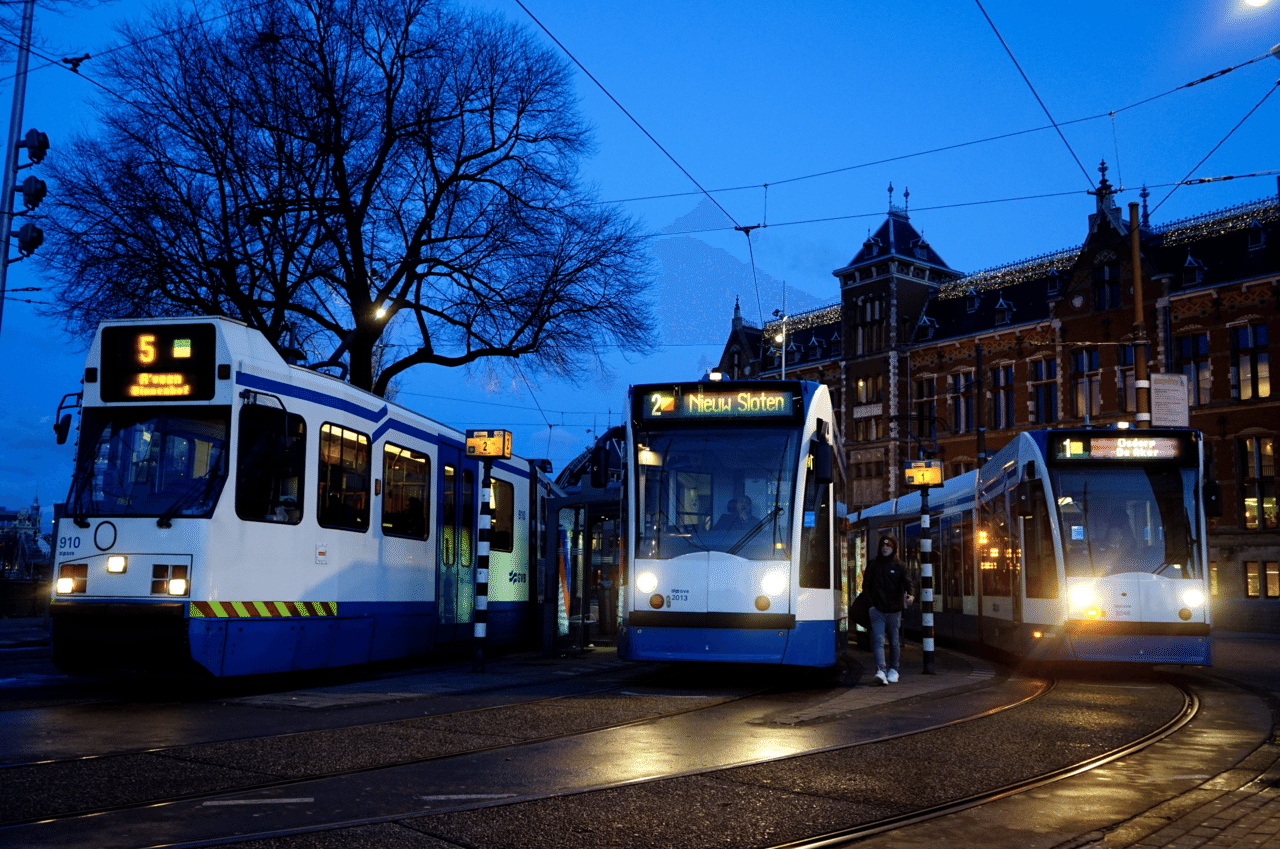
(144, 462)
(728, 490)
(1123, 520)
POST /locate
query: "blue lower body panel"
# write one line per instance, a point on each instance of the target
(359, 633)
(807, 644)
(1143, 648)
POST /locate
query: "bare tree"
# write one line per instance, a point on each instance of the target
(318, 168)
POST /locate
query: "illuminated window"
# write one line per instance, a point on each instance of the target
(1251, 377)
(406, 492)
(1257, 483)
(344, 478)
(1252, 579)
(1262, 578)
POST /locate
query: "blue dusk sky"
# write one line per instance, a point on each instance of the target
(796, 117)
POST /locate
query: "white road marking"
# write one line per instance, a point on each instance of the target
(299, 800)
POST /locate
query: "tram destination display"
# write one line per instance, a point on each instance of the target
(1131, 447)
(158, 362)
(673, 404)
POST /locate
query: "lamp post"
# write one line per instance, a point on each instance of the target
(781, 339)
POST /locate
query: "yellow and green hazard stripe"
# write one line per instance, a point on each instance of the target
(260, 609)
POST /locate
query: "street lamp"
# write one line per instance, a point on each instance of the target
(781, 339)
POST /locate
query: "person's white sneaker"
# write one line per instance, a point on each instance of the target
(880, 679)
(893, 676)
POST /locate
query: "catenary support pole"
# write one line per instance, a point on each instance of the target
(1142, 381)
(926, 583)
(11, 154)
(482, 568)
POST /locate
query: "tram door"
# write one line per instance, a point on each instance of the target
(455, 577)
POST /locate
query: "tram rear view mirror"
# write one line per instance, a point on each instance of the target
(62, 428)
(1212, 500)
(821, 453)
(1022, 499)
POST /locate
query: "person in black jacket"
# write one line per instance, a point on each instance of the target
(888, 586)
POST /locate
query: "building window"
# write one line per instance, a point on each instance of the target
(1193, 361)
(1251, 377)
(1262, 578)
(1257, 237)
(1044, 391)
(1002, 397)
(1086, 383)
(1257, 477)
(1106, 287)
(926, 407)
(1126, 391)
(962, 402)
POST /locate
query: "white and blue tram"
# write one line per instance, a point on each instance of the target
(248, 516)
(1067, 545)
(729, 525)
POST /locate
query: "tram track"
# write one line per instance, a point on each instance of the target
(292, 752)
(452, 802)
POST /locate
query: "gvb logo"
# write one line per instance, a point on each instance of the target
(514, 577)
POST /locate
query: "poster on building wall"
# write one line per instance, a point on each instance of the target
(1170, 406)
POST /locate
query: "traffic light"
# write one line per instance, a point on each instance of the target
(29, 238)
(33, 190)
(36, 143)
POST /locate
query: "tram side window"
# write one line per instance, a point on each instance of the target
(1042, 567)
(344, 478)
(994, 549)
(502, 515)
(406, 502)
(815, 537)
(269, 465)
(467, 518)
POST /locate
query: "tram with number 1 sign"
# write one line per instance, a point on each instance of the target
(730, 525)
(1068, 545)
(235, 514)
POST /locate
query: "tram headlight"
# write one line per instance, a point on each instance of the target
(66, 585)
(117, 563)
(774, 583)
(1082, 595)
(646, 582)
(1193, 598)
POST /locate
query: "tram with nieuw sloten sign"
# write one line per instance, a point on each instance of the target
(1067, 545)
(232, 513)
(729, 525)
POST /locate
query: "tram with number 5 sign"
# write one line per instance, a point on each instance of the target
(1067, 545)
(232, 513)
(730, 525)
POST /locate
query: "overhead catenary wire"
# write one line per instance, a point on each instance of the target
(1027, 80)
(1186, 180)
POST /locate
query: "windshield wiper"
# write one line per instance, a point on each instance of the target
(759, 526)
(200, 490)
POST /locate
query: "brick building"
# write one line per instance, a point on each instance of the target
(920, 357)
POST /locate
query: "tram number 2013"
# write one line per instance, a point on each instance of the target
(678, 595)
